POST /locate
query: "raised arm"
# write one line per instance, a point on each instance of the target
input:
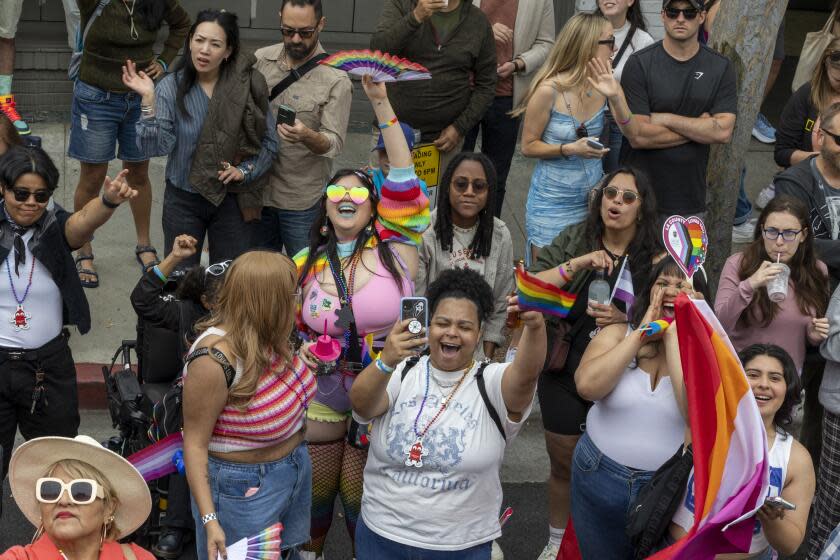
(397, 27)
(520, 378)
(735, 295)
(605, 360)
(156, 127)
(80, 226)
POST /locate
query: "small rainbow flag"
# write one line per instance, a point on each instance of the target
(155, 461)
(538, 295)
(656, 327)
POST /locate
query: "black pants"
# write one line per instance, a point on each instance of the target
(498, 142)
(56, 412)
(179, 510)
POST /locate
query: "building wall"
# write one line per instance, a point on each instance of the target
(650, 9)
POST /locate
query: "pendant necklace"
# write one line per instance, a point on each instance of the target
(20, 318)
(344, 316)
(132, 29)
(415, 452)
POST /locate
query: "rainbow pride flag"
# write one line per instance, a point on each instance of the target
(537, 295)
(730, 445)
(155, 461)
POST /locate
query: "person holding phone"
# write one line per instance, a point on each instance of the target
(441, 424)
(778, 529)
(563, 116)
(211, 117)
(361, 261)
(312, 104)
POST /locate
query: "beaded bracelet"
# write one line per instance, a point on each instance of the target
(629, 117)
(384, 368)
(392, 122)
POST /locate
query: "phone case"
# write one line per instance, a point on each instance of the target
(415, 308)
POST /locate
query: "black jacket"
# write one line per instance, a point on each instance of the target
(50, 247)
(160, 310)
(800, 182)
(795, 126)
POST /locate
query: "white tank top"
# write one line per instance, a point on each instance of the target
(635, 426)
(778, 460)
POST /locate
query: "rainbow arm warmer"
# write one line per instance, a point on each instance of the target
(403, 209)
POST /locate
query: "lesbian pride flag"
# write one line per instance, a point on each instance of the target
(730, 445)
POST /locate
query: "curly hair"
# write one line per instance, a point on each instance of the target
(784, 416)
(482, 242)
(197, 283)
(461, 283)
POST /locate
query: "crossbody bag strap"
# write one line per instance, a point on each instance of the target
(295, 74)
(96, 13)
(624, 45)
(219, 357)
(482, 389)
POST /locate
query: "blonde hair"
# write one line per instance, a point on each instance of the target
(821, 91)
(576, 45)
(79, 469)
(257, 306)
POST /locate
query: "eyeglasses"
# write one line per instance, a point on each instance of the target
(834, 58)
(789, 235)
(336, 193)
(22, 195)
(674, 13)
(627, 197)
(835, 137)
(610, 42)
(217, 269)
(304, 32)
(460, 184)
(82, 491)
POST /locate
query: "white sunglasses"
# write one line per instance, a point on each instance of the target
(82, 491)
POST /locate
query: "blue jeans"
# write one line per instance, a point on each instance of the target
(186, 212)
(743, 208)
(602, 492)
(371, 546)
(100, 119)
(498, 142)
(285, 228)
(284, 495)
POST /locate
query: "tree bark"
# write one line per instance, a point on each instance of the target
(745, 32)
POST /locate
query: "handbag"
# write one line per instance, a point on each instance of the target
(560, 340)
(651, 513)
(812, 51)
(76, 57)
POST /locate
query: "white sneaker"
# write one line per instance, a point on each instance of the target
(767, 194)
(744, 233)
(549, 552)
(496, 553)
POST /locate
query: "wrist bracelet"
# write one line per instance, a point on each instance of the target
(163, 65)
(244, 172)
(563, 274)
(108, 203)
(384, 368)
(159, 274)
(562, 155)
(392, 122)
(205, 519)
(622, 123)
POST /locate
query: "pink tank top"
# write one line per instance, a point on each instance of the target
(376, 306)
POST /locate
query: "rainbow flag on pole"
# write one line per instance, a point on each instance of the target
(730, 445)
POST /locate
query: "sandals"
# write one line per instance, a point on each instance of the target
(139, 250)
(82, 270)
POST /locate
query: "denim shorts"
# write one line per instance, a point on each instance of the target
(284, 494)
(602, 492)
(100, 119)
(372, 546)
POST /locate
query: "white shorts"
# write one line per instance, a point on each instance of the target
(9, 16)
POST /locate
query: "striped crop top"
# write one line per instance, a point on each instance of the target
(275, 412)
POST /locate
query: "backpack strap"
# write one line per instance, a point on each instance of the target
(494, 415)
(219, 357)
(412, 361)
(295, 75)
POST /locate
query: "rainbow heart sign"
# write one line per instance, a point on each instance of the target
(686, 241)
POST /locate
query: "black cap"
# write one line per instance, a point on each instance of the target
(698, 4)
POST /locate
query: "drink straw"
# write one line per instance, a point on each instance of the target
(778, 257)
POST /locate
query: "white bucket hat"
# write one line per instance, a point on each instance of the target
(31, 460)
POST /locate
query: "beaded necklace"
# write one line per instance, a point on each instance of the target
(20, 318)
(345, 319)
(415, 452)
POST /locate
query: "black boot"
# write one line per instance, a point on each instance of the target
(171, 543)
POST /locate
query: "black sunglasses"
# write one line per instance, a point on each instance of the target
(834, 57)
(582, 131)
(627, 197)
(835, 137)
(304, 32)
(674, 13)
(460, 184)
(610, 42)
(22, 195)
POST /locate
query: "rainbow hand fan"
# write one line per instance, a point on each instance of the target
(537, 295)
(264, 546)
(382, 67)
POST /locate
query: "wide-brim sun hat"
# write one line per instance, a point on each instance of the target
(31, 460)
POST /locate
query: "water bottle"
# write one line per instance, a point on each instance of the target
(599, 289)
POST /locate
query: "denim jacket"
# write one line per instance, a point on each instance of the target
(50, 247)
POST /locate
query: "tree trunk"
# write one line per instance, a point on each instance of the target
(744, 31)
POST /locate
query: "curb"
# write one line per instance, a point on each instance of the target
(91, 386)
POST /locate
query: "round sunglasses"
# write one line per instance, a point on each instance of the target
(336, 193)
(82, 491)
(627, 197)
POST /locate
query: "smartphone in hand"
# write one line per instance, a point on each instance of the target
(594, 144)
(416, 308)
(286, 115)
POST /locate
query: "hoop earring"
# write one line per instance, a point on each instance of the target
(38, 532)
